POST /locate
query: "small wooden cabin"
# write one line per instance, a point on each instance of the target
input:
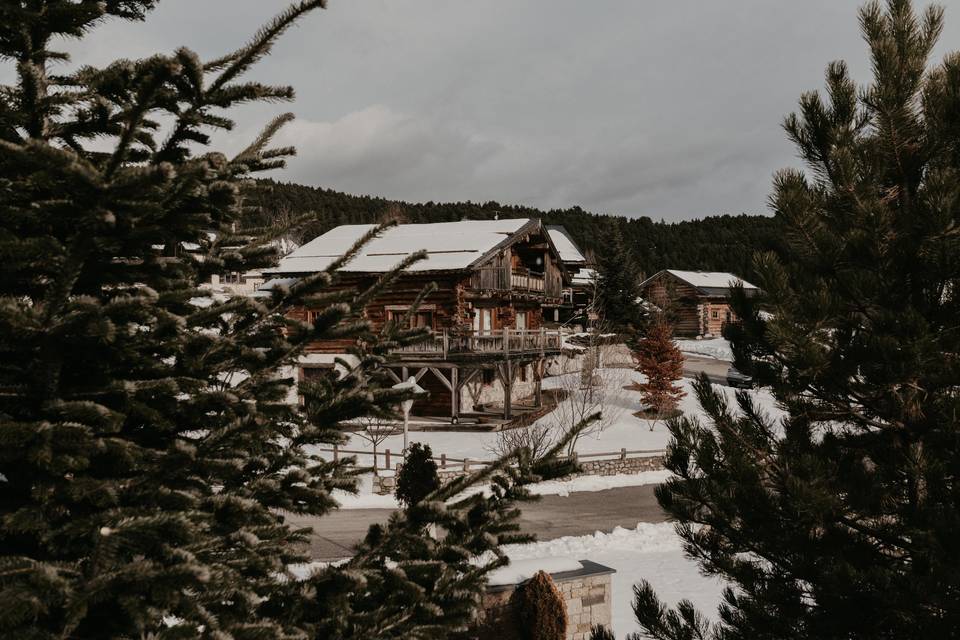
(697, 301)
(487, 344)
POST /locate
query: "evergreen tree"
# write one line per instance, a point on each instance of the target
(618, 285)
(841, 520)
(147, 447)
(661, 362)
(418, 476)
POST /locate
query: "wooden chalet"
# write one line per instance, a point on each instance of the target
(487, 345)
(697, 301)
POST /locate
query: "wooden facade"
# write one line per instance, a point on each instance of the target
(485, 323)
(695, 311)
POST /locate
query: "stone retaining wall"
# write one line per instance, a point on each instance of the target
(617, 466)
(604, 467)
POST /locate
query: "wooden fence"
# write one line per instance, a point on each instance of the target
(392, 460)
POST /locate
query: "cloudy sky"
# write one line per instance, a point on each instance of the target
(665, 108)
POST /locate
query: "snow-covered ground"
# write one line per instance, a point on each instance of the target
(717, 348)
(650, 551)
(626, 431)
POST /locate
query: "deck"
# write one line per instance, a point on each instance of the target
(446, 345)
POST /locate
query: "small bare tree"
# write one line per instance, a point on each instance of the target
(537, 438)
(375, 430)
(590, 389)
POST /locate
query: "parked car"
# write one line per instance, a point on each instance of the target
(737, 379)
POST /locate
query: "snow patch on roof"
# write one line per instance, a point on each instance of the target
(449, 246)
(521, 570)
(585, 276)
(710, 279)
(566, 247)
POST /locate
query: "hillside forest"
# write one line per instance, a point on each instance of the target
(713, 243)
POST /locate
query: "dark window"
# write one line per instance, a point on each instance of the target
(488, 376)
(421, 319)
(714, 314)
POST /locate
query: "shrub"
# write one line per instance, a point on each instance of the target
(543, 613)
(418, 477)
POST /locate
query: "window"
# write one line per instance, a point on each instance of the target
(488, 376)
(715, 314)
(522, 373)
(423, 318)
(521, 319)
(482, 320)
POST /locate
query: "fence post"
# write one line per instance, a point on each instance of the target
(623, 453)
(466, 464)
(386, 454)
(336, 454)
(506, 340)
(446, 343)
(443, 461)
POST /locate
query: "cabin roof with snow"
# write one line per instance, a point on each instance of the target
(569, 251)
(450, 246)
(708, 283)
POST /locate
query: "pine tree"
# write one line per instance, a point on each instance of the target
(618, 285)
(661, 362)
(147, 448)
(418, 477)
(841, 520)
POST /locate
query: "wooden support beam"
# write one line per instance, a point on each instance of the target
(421, 373)
(392, 374)
(454, 396)
(538, 383)
(468, 377)
(506, 371)
(442, 378)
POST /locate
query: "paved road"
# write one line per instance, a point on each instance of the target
(551, 517)
(716, 370)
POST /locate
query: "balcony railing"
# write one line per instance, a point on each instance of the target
(496, 279)
(503, 341)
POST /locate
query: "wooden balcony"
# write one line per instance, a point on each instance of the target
(495, 279)
(443, 345)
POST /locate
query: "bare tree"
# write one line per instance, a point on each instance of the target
(375, 429)
(537, 438)
(589, 388)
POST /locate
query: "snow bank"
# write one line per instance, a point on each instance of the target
(598, 483)
(716, 348)
(651, 552)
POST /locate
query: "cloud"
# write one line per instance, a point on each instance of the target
(661, 108)
(381, 151)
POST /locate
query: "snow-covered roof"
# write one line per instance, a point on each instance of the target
(710, 279)
(709, 283)
(566, 247)
(449, 246)
(585, 276)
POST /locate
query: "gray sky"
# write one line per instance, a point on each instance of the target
(666, 108)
